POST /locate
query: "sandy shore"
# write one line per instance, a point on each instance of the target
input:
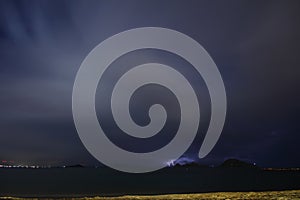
(282, 195)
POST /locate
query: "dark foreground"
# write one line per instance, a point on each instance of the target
(91, 182)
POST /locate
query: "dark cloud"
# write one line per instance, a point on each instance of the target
(255, 44)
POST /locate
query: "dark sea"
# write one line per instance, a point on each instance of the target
(82, 181)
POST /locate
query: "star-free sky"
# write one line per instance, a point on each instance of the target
(255, 44)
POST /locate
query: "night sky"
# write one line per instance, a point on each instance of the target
(255, 44)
